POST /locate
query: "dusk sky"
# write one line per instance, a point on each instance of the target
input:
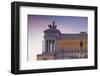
(38, 23)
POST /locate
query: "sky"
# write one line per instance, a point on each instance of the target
(38, 23)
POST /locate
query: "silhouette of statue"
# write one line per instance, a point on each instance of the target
(50, 26)
(54, 26)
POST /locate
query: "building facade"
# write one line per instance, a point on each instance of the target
(58, 45)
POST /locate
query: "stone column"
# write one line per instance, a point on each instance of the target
(52, 45)
(49, 45)
(46, 45)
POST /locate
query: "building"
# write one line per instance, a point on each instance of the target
(63, 46)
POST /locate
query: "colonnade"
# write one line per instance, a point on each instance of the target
(50, 45)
